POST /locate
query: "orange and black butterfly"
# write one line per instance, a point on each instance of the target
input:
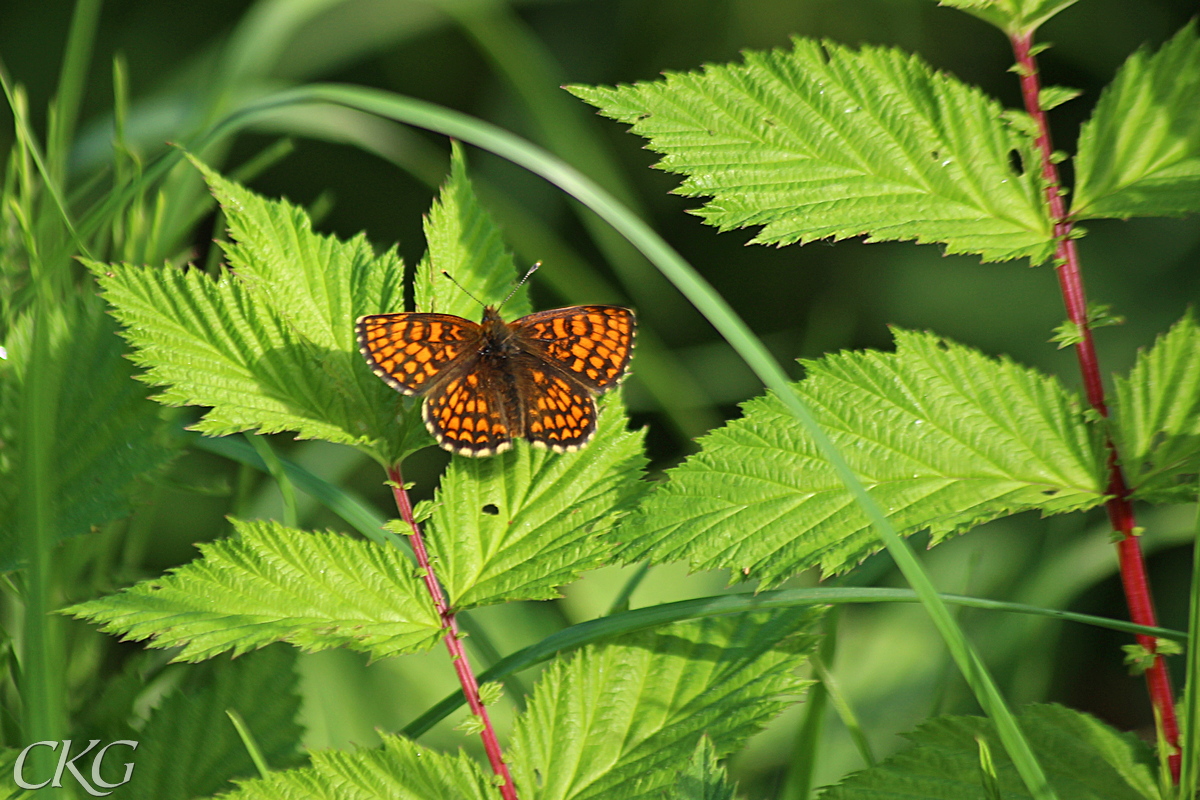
(490, 382)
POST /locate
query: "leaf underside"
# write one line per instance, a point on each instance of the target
(1012, 16)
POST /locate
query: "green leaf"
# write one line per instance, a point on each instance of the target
(270, 584)
(269, 344)
(616, 720)
(1099, 315)
(943, 437)
(400, 770)
(1084, 759)
(1011, 16)
(1138, 658)
(1157, 417)
(823, 141)
(107, 434)
(211, 343)
(1139, 154)
(317, 283)
(704, 778)
(521, 524)
(1054, 96)
(463, 240)
(260, 686)
(1068, 334)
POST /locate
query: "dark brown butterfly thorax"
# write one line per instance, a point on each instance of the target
(498, 336)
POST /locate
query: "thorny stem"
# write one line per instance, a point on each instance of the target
(1120, 509)
(458, 655)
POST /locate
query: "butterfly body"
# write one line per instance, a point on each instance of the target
(489, 382)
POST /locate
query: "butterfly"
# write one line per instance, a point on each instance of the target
(490, 382)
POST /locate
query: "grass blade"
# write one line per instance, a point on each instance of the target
(606, 627)
(806, 749)
(362, 517)
(251, 745)
(844, 711)
(275, 467)
(72, 78)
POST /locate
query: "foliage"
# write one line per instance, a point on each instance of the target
(945, 438)
(260, 686)
(615, 720)
(1012, 16)
(824, 142)
(401, 769)
(1158, 423)
(704, 778)
(269, 343)
(109, 437)
(522, 524)
(816, 141)
(1139, 154)
(1084, 760)
(464, 242)
(270, 584)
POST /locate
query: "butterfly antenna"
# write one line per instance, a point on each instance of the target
(521, 282)
(459, 285)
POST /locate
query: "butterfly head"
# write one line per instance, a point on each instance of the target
(495, 329)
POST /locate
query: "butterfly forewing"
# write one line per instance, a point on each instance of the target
(410, 350)
(592, 343)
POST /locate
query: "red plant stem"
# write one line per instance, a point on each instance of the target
(1120, 509)
(458, 655)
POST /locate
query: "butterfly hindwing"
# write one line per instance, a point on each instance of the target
(558, 411)
(467, 415)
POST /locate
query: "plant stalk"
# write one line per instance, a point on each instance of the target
(1120, 508)
(458, 655)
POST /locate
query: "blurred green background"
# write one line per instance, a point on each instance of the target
(190, 62)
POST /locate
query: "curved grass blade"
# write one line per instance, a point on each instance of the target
(606, 627)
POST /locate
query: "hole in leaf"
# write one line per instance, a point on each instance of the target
(490, 509)
(1014, 161)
